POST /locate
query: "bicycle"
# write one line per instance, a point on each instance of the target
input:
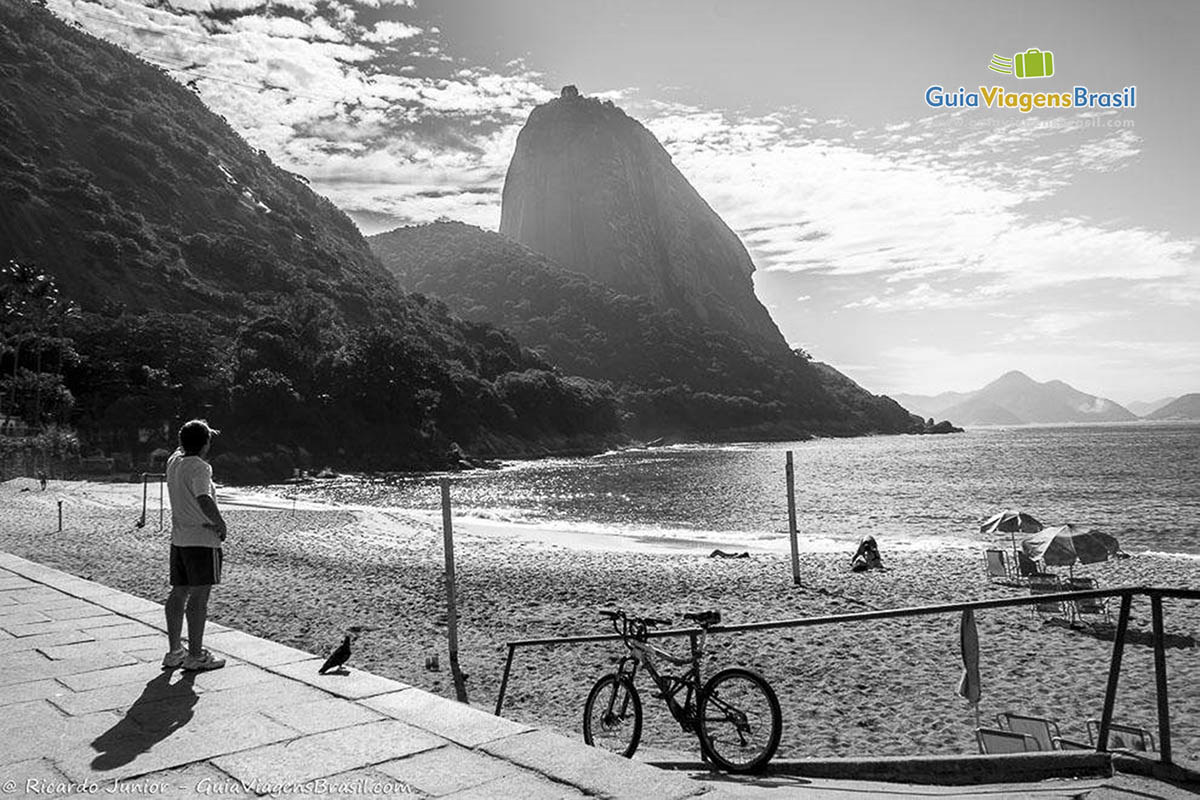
(735, 714)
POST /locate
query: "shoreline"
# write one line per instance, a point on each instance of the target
(883, 688)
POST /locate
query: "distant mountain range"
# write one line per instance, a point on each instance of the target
(1016, 399)
(1145, 409)
(1186, 407)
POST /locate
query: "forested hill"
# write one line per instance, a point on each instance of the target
(154, 267)
(126, 186)
(672, 373)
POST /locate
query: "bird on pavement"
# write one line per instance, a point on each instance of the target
(338, 657)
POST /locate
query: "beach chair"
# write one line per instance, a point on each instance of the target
(1123, 737)
(1091, 605)
(1040, 728)
(1026, 566)
(993, 741)
(997, 564)
(1070, 744)
(1047, 584)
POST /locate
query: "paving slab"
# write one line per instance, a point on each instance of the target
(30, 643)
(526, 786)
(353, 686)
(449, 769)
(30, 690)
(34, 776)
(325, 714)
(593, 770)
(125, 749)
(356, 783)
(460, 723)
(253, 649)
(324, 754)
(70, 671)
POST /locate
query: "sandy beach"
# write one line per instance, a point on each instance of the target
(885, 688)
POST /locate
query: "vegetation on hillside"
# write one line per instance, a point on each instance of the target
(672, 374)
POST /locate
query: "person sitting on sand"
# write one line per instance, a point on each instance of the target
(867, 556)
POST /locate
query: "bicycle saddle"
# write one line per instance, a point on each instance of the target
(704, 618)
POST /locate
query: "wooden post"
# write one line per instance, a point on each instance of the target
(60, 516)
(161, 481)
(1160, 678)
(142, 520)
(791, 501)
(1114, 672)
(460, 688)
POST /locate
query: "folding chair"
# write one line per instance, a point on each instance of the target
(1047, 584)
(994, 740)
(1070, 744)
(1123, 737)
(997, 564)
(1090, 605)
(1040, 728)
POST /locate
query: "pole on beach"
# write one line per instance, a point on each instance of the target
(60, 516)
(161, 480)
(791, 501)
(460, 687)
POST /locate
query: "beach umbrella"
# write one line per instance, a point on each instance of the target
(969, 685)
(1011, 522)
(1068, 545)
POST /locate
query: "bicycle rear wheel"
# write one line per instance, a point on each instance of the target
(612, 716)
(740, 720)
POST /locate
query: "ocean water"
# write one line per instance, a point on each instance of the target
(1137, 481)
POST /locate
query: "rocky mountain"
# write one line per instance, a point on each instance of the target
(593, 190)
(210, 280)
(1185, 407)
(673, 374)
(1145, 409)
(1016, 399)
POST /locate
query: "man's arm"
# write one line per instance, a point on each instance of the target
(209, 507)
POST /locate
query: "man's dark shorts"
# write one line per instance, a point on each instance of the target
(196, 566)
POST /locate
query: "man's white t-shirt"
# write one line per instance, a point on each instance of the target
(190, 477)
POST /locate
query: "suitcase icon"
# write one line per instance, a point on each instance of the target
(1034, 63)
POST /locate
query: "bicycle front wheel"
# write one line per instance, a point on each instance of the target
(612, 716)
(740, 720)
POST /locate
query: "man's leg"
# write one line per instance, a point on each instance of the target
(197, 615)
(176, 602)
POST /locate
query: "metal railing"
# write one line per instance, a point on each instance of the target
(1126, 593)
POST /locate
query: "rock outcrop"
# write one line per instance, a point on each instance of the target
(595, 191)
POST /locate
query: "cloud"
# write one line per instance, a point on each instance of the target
(386, 32)
(919, 203)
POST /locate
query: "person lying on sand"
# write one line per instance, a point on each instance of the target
(723, 554)
(867, 556)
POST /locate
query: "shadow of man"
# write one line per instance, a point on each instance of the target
(162, 709)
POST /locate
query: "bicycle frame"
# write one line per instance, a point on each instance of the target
(669, 686)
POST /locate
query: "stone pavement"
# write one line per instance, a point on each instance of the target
(87, 709)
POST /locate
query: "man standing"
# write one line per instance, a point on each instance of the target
(197, 531)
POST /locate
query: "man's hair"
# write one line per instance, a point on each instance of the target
(194, 434)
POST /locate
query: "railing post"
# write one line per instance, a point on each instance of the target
(512, 648)
(791, 503)
(1160, 677)
(1114, 672)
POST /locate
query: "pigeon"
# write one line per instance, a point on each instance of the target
(338, 657)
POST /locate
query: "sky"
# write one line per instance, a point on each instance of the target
(918, 249)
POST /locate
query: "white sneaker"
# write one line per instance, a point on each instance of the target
(206, 661)
(174, 658)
